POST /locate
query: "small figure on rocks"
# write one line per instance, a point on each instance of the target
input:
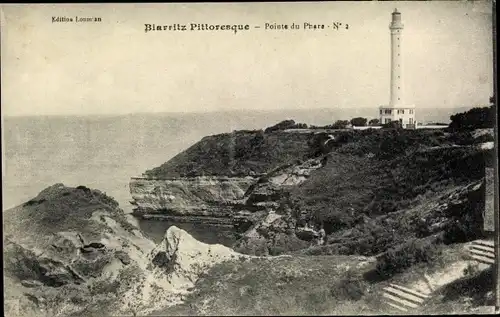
(322, 235)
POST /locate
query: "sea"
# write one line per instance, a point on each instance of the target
(103, 152)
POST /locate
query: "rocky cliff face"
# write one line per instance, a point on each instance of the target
(340, 181)
(241, 202)
(189, 196)
(70, 252)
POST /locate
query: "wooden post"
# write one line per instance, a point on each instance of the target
(496, 211)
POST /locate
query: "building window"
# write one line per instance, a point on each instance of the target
(387, 111)
(380, 111)
(411, 111)
(402, 111)
(387, 120)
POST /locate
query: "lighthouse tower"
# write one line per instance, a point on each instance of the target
(397, 110)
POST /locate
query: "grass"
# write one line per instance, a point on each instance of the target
(464, 295)
(351, 185)
(278, 286)
(240, 153)
(60, 208)
(305, 285)
(368, 204)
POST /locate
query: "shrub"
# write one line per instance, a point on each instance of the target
(340, 124)
(359, 121)
(84, 188)
(164, 261)
(348, 289)
(475, 118)
(399, 258)
(392, 125)
(466, 218)
(283, 243)
(284, 125)
(471, 269)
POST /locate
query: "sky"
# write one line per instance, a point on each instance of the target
(115, 67)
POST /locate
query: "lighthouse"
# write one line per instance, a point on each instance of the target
(397, 109)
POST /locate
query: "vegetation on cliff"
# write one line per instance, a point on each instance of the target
(405, 197)
(240, 153)
(475, 118)
(368, 180)
(382, 172)
(328, 285)
(59, 207)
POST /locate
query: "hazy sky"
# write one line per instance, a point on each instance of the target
(114, 67)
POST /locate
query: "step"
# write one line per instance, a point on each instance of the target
(397, 307)
(487, 243)
(404, 295)
(400, 300)
(483, 253)
(410, 291)
(482, 248)
(483, 259)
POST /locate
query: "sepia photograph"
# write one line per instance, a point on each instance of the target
(259, 158)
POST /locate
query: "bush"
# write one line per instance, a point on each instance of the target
(84, 188)
(284, 125)
(340, 124)
(348, 288)
(392, 125)
(397, 259)
(359, 121)
(475, 118)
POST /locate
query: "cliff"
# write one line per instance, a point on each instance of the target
(189, 196)
(71, 252)
(223, 179)
(240, 154)
(336, 179)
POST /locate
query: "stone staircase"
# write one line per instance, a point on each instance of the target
(403, 298)
(409, 298)
(482, 251)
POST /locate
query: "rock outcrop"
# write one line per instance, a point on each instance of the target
(188, 196)
(70, 251)
(240, 202)
(344, 182)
